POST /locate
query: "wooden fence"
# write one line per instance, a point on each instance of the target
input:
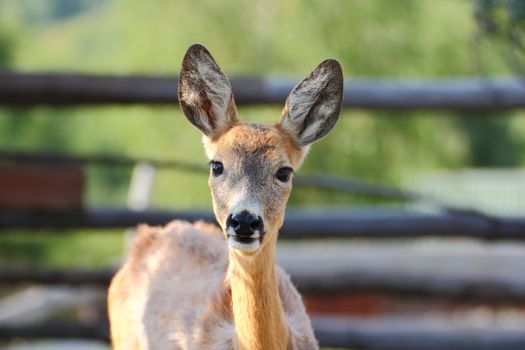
(472, 94)
(377, 222)
(465, 94)
(458, 288)
(333, 332)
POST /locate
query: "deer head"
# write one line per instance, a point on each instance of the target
(252, 165)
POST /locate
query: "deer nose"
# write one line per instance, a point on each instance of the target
(245, 224)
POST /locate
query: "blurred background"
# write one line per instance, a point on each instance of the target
(432, 194)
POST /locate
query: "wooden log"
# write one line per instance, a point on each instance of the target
(409, 284)
(63, 89)
(70, 277)
(57, 330)
(334, 332)
(373, 222)
(438, 285)
(407, 334)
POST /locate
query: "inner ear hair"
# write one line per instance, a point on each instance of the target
(314, 105)
(205, 93)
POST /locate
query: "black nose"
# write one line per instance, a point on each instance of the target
(244, 224)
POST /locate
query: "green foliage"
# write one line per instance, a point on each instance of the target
(372, 38)
(500, 25)
(41, 12)
(502, 22)
(500, 17)
(404, 38)
(66, 249)
(6, 47)
(5, 52)
(491, 141)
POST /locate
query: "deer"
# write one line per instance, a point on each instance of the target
(197, 286)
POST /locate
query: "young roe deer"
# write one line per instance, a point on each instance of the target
(182, 286)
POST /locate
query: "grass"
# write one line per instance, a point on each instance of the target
(83, 248)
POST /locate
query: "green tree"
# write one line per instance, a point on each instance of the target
(5, 49)
(500, 25)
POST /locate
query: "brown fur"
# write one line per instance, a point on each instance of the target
(182, 286)
(257, 306)
(245, 148)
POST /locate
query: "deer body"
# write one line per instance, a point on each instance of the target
(183, 286)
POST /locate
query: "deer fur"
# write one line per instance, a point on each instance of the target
(195, 286)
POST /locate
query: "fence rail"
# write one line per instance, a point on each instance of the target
(335, 332)
(376, 222)
(62, 89)
(444, 285)
(402, 334)
(465, 94)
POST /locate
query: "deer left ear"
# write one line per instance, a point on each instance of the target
(313, 106)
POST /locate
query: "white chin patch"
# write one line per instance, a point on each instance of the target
(247, 247)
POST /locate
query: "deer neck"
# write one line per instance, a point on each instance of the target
(256, 304)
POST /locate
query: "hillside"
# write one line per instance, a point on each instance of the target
(406, 38)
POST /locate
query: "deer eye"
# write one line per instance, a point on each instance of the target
(217, 168)
(283, 174)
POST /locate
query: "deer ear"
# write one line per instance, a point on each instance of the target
(313, 106)
(205, 93)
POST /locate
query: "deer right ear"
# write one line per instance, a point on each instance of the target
(205, 93)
